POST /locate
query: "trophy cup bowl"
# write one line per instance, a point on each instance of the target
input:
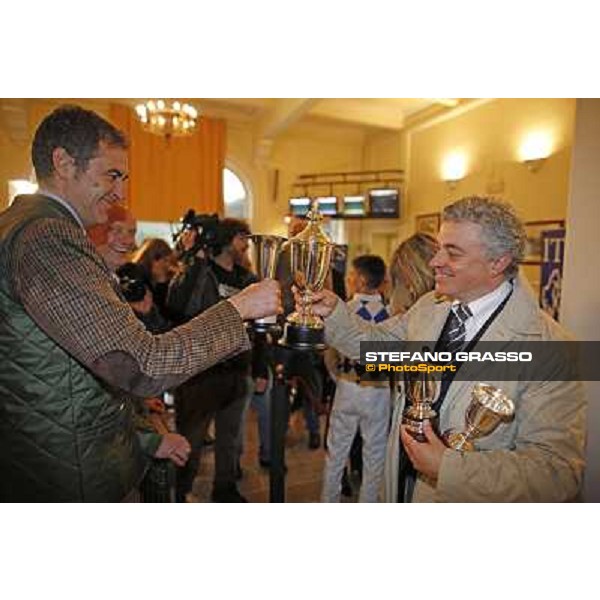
(310, 257)
(420, 392)
(489, 407)
(264, 253)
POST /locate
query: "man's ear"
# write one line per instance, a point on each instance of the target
(361, 282)
(499, 265)
(63, 163)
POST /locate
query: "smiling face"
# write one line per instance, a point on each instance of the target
(121, 235)
(92, 190)
(461, 266)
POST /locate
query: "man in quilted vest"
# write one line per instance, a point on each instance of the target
(72, 352)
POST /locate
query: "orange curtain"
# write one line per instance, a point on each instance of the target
(168, 177)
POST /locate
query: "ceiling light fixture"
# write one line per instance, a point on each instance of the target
(167, 118)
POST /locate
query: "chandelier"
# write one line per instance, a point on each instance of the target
(167, 118)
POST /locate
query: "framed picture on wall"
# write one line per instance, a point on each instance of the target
(429, 223)
(533, 246)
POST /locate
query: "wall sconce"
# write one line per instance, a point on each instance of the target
(534, 164)
(535, 149)
(454, 168)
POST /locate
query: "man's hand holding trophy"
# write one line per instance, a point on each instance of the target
(310, 257)
(420, 395)
(489, 407)
(265, 252)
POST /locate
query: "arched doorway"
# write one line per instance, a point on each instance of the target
(236, 196)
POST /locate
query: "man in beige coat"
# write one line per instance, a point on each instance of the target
(539, 455)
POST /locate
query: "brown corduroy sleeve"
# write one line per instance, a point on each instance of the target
(68, 291)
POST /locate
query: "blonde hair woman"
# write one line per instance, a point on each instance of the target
(412, 277)
(410, 271)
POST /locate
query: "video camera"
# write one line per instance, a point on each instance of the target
(133, 282)
(206, 226)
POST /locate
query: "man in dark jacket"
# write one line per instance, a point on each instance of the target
(71, 349)
(209, 276)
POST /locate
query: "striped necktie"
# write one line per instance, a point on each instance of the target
(455, 332)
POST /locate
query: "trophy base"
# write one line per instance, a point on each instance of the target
(458, 441)
(266, 325)
(302, 337)
(415, 428)
(414, 419)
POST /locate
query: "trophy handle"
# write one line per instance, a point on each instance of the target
(459, 441)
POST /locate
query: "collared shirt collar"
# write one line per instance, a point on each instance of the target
(367, 297)
(63, 203)
(483, 308)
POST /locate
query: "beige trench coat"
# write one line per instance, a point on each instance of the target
(538, 457)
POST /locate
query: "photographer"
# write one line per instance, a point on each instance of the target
(212, 255)
(151, 425)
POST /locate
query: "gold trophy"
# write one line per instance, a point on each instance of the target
(265, 250)
(488, 408)
(310, 256)
(420, 392)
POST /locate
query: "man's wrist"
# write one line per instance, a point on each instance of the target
(237, 308)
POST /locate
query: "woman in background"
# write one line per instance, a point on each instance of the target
(410, 271)
(412, 277)
(159, 262)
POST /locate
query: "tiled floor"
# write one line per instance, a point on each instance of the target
(305, 467)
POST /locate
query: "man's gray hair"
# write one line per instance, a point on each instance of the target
(503, 232)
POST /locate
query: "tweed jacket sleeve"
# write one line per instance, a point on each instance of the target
(69, 292)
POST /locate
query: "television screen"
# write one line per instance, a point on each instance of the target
(299, 207)
(384, 203)
(354, 206)
(327, 205)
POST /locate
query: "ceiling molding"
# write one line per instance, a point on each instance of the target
(437, 114)
(373, 113)
(284, 113)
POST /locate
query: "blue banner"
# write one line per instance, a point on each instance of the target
(553, 251)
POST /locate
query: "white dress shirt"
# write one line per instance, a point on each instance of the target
(483, 308)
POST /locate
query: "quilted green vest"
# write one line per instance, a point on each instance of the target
(65, 436)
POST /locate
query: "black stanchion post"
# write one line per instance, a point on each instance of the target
(279, 419)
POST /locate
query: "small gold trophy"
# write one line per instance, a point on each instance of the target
(420, 392)
(310, 256)
(488, 408)
(265, 250)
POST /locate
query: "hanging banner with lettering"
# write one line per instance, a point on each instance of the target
(553, 251)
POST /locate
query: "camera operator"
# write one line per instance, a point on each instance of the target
(212, 256)
(153, 431)
(135, 287)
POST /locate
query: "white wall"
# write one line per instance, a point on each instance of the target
(580, 308)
